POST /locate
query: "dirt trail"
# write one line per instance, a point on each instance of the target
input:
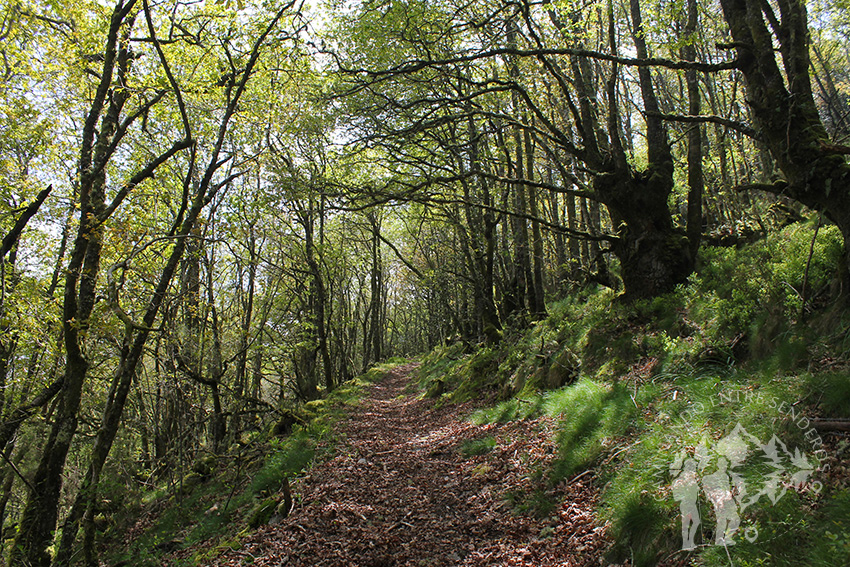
(401, 491)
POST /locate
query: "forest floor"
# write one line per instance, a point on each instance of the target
(413, 482)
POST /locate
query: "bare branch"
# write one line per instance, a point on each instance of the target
(415, 65)
(142, 175)
(11, 238)
(167, 69)
(731, 124)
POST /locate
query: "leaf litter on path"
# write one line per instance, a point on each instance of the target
(416, 484)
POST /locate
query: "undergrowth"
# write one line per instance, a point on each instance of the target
(727, 371)
(247, 487)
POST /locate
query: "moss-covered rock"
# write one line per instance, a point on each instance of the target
(492, 334)
(284, 425)
(190, 482)
(262, 512)
(314, 408)
(205, 465)
(563, 369)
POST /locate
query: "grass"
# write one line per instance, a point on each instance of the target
(474, 447)
(649, 384)
(217, 511)
(631, 434)
(658, 379)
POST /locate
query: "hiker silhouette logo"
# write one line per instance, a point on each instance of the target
(732, 474)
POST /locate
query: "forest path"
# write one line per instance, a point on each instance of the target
(401, 490)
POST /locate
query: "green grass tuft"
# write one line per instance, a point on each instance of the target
(480, 446)
(216, 511)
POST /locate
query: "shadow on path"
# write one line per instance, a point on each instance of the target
(401, 491)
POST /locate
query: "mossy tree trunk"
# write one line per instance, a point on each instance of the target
(39, 517)
(695, 174)
(654, 255)
(783, 107)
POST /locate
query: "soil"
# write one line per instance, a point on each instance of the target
(414, 482)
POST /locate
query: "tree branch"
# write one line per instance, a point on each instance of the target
(415, 65)
(777, 188)
(12, 237)
(731, 124)
(142, 175)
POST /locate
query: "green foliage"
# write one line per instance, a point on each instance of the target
(287, 458)
(831, 391)
(480, 371)
(794, 531)
(480, 446)
(641, 530)
(519, 407)
(833, 524)
(217, 510)
(726, 351)
(755, 290)
(441, 363)
(612, 374)
(462, 376)
(262, 512)
(593, 418)
(708, 405)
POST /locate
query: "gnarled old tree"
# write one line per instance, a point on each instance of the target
(653, 253)
(784, 110)
(567, 84)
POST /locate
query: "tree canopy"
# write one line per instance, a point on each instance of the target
(215, 211)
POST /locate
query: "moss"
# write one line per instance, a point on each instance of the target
(480, 446)
(205, 465)
(262, 512)
(315, 407)
(563, 370)
(190, 482)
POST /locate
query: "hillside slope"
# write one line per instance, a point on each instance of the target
(414, 483)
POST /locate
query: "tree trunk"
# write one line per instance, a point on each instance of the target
(574, 245)
(695, 174)
(539, 296)
(320, 304)
(9, 480)
(784, 111)
(654, 257)
(478, 240)
(376, 331)
(39, 517)
(85, 504)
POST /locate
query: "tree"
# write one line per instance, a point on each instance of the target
(513, 52)
(815, 169)
(98, 146)
(97, 150)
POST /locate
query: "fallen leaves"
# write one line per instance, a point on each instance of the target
(400, 492)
